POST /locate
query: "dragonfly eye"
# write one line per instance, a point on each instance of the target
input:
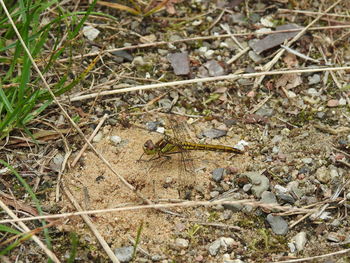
(149, 145)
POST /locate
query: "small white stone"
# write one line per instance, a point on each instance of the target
(267, 21)
(196, 22)
(90, 32)
(115, 139)
(300, 241)
(209, 54)
(202, 50)
(342, 101)
(181, 243)
(291, 94)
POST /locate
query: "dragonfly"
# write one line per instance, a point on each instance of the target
(169, 145)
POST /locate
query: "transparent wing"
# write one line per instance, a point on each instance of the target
(187, 175)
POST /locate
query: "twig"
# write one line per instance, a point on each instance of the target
(238, 55)
(309, 12)
(292, 51)
(344, 251)
(92, 54)
(63, 167)
(250, 202)
(216, 20)
(199, 80)
(227, 29)
(104, 118)
(260, 104)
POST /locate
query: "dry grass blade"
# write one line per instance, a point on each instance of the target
(119, 7)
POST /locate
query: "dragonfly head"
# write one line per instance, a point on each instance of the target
(149, 148)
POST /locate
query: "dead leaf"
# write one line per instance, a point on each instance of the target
(289, 81)
(291, 61)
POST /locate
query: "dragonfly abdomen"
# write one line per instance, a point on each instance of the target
(208, 147)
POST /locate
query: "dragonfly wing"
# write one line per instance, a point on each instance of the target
(187, 175)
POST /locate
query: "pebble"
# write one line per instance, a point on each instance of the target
(246, 188)
(218, 174)
(138, 61)
(181, 243)
(278, 224)
(286, 198)
(332, 103)
(323, 174)
(265, 111)
(314, 79)
(90, 32)
(342, 102)
(226, 215)
(57, 161)
(312, 92)
(280, 189)
(238, 19)
(300, 241)
(121, 56)
(307, 160)
(180, 63)
(223, 243)
(214, 194)
(260, 182)
(333, 237)
(292, 247)
(201, 51)
(209, 54)
(163, 52)
(115, 139)
(255, 57)
(214, 247)
(98, 137)
(214, 133)
(153, 125)
(268, 197)
(124, 254)
(214, 68)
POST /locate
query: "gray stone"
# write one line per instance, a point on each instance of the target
(265, 111)
(214, 133)
(314, 79)
(214, 247)
(153, 125)
(260, 182)
(247, 187)
(278, 224)
(286, 198)
(238, 19)
(122, 55)
(268, 197)
(313, 92)
(181, 243)
(214, 68)
(98, 137)
(255, 57)
(218, 174)
(124, 254)
(180, 63)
